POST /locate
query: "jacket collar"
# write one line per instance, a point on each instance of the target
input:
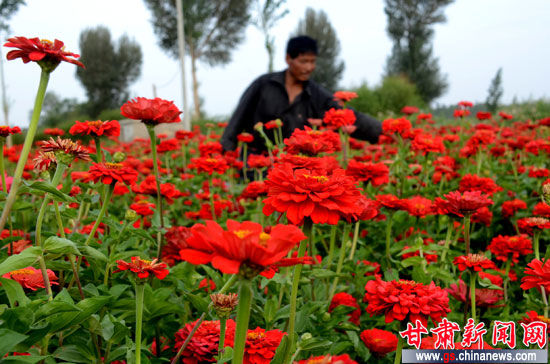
(279, 77)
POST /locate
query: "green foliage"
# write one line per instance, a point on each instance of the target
(409, 26)
(329, 69)
(495, 92)
(7, 8)
(391, 95)
(266, 18)
(56, 110)
(110, 68)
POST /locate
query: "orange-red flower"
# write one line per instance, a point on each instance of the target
(509, 208)
(109, 128)
(485, 297)
(530, 224)
(345, 299)
(242, 243)
(418, 206)
(304, 193)
(66, 146)
(336, 118)
(312, 142)
(510, 247)
(344, 96)
(30, 277)
(460, 204)
(143, 208)
(472, 182)
(400, 126)
(40, 50)
(176, 239)
(409, 110)
(245, 137)
(151, 111)
(377, 173)
(260, 345)
(6, 130)
(149, 187)
(110, 173)
(144, 267)
(424, 143)
(406, 300)
(209, 165)
(537, 274)
(474, 262)
(54, 131)
(328, 359)
(379, 342)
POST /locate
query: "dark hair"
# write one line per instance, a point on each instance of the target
(301, 44)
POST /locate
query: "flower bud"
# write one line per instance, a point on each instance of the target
(119, 157)
(326, 316)
(546, 193)
(131, 215)
(306, 336)
(258, 126)
(224, 304)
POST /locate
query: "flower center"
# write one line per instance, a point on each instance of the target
(114, 165)
(96, 123)
(241, 233)
(544, 319)
(211, 160)
(46, 43)
(255, 335)
(476, 258)
(22, 272)
(264, 237)
(321, 179)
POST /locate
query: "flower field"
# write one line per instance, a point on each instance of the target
(324, 249)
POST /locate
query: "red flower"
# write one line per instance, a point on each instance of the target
(65, 146)
(344, 96)
(110, 173)
(465, 104)
(483, 115)
(485, 297)
(109, 128)
(376, 173)
(375, 267)
(327, 163)
(462, 204)
(207, 284)
(312, 142)
(203, 346)
(273, 124)
(537, 275)
(241, 243)
(418, 206)
(473, 262)
(18, 246)
(472, 182)
(379, 342)
(254, 189)
(391, 202)
(168, 145)
(260, 345)
(461, 113)
(176, 240)
(54, 131)
(328, 359)
(31, 278)
(336, 118)
(143, 208)
(541, 209)
(258, 161)
(40, 50)
(210, 149)
(245, 137)
(209, 165)
(509, 208)
(534, 316)
(149, 187)
(504, 246)
(307, 193)
(400, 126)
(528, 224)
(6, 130)
(151, 111)
(406, 300)
(184, 134)
(144, 267)
(409, 110)
(345, 299)
(428, 143)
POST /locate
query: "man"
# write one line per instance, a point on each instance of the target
(292, 97)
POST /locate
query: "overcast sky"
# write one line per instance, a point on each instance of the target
(477, 39)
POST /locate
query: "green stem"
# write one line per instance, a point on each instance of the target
(388, 237)
(44, 77)
(340, 261)
(211, 194)
(152, 136)
(399, 350)
(331, 244)
(223, 324)
(2, 168)
(506, 279)
(447, 241)
(355, 238)
(245, 150)
(473, 276)
(184, 154)
(55, 180)
(536, 237)
(98, 150)
(467, 232)
(44, 271)
(106, 200)
(294, 293)
(140, 293)
(243, 315)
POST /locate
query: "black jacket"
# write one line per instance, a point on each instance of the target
(266, 99)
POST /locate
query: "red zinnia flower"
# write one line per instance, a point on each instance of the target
(376, 173)
(260, 345)
(400, 126)
(391, 202)
(465, 104)
(485, 297)
(54, 131)
(149, 187)
(532, 316)
(540, 209)
(483, 115)
(66, 146)
(40, 50)
(462, 204)
(509, 208)
(474, 262)
(151, 111)
(241, 243)
(184, 134)
(258, 161)
(144, 267)
(312, 142)
(537, 275)
(168, 145)
(245, 137)
(528, 224)
(203, 346)
(344, 96)
(307, 193)
(209, 165)
(406, 300)
(418, 206)
(30, 277)
(345, 299)
(110, 173)
(254, 189)
(472, 182)
(176, 240)
(428, 143)
(379, 342)
(6, 130)
(143, 208)
(504, 246)
(328, 359)
(209, 149)
(409, 110)
(109, 128)
(461, 113)
(336, 118)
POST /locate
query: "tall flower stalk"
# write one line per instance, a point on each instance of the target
(243, 316)
(153, 137)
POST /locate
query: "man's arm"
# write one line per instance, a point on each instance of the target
(242, 117)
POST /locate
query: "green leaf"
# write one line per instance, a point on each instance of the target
(313, 343)
(227, 355)
(412, 261)
(280, 353)
(26, 359)
(92, 253)
(15, 292)
(87, 306)
(142, 234)
(107, 327)
(198, 302)
(322, 273)
(57, 245)
(71, 354)
(53, 307)
(39, 188)
(18, 319)
(22, 260)
(8, 340)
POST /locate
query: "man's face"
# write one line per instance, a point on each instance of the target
(302, 66)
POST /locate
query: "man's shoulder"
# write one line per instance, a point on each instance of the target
(278, 77)
(318, 90)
